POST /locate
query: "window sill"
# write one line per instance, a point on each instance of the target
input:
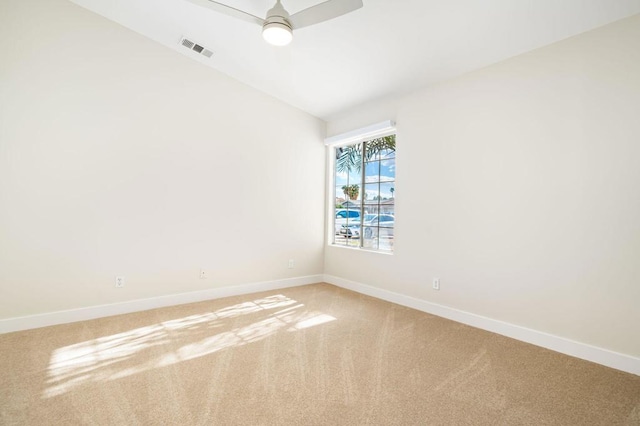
(361, 249)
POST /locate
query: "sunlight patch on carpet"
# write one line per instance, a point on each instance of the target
(170, 342)
(313, 321)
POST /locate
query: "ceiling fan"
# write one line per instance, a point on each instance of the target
(278, 26)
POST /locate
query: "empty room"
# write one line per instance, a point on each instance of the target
(198, 204)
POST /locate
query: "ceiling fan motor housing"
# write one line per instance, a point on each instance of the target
(278, 11)
(277, 29)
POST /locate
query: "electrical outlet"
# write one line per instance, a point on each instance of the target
(203, 274)
(119, 282)
(436, 283)
(292, 264)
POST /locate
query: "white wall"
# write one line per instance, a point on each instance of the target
(121, 157)
(519, 186)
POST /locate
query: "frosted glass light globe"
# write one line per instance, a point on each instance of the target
(277, 34)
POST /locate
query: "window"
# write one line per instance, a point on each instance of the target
(364, 194)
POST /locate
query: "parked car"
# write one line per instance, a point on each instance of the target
(344, 217)
(372, 225)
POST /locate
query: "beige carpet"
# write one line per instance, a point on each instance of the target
(311, 355)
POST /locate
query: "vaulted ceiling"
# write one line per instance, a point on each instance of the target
(384, 49)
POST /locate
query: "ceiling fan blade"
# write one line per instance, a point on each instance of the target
(228, 10)
(323, 12)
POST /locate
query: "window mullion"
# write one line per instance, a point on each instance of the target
(362, 191)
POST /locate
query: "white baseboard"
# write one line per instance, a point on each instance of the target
(580, 350)
(62, 317)
(584, 351)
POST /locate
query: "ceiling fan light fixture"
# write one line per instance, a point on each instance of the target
(277, 33)
(277, 27)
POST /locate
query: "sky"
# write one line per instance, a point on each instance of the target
(379, 179)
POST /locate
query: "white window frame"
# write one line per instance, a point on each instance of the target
(378, 130)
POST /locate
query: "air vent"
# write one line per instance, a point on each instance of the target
(187, 43)
(196, 47)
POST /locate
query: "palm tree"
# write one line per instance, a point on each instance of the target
(349, 158)
(351, 191)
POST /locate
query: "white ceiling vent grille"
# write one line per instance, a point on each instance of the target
(196, 47)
